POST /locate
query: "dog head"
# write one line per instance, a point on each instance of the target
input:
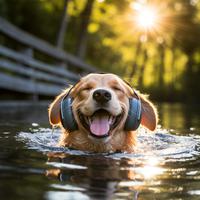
(100, 106)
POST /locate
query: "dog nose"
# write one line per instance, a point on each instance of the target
(102, 96)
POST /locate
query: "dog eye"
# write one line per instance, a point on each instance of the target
(86, 88)
(116, 88)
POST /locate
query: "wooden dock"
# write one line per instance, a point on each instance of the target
(33, 66)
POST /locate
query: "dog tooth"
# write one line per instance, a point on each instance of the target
(89, 120)
(110, 119)
(113, 120)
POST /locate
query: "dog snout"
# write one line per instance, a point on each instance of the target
(102, 96)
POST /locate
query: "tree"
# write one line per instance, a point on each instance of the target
(82, 35)
(63, 26)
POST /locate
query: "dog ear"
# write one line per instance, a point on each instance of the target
(149, 113)
(54, 109)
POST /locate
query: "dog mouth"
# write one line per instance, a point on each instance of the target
(101, 123)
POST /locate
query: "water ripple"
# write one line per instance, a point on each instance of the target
(161, 144)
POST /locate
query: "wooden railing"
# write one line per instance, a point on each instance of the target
(23, 69)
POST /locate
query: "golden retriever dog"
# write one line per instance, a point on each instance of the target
(100, 108)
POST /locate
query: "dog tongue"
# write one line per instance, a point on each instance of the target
(100, 125)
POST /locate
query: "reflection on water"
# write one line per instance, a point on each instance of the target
(165, 165)
(112, 176)
(179, 117)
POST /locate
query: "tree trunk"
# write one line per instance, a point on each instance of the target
(82, 36)
(142, 68)
(189, 74)
(137, 52)
(173, 68)
(161, 66)
(63, 26)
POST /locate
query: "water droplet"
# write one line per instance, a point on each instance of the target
(35, 124)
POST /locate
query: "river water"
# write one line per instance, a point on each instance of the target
(166, 164)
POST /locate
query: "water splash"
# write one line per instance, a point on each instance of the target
(161, 144)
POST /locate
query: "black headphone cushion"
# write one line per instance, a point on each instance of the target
(134, 115)
(66, 114)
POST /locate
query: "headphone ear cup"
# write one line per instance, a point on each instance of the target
(134, 115)
(67, 118)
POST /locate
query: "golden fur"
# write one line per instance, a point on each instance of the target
(118, 139)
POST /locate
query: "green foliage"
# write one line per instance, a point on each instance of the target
(164, 62)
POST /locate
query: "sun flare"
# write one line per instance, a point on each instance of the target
(147, 18)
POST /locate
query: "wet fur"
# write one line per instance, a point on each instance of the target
(119, 139)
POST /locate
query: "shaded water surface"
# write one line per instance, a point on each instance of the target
(165, 165)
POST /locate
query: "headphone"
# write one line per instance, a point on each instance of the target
(69, 123)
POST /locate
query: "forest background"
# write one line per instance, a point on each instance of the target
(155, 45)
